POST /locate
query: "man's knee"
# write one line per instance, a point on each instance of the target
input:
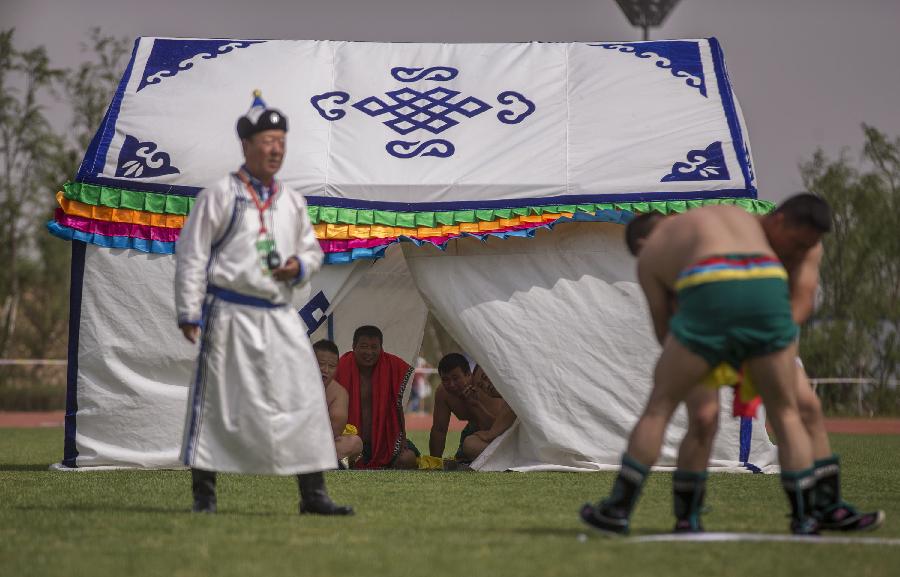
(809, 405)
(472, 447)
(703, 421)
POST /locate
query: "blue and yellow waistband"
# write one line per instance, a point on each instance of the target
(730, 267)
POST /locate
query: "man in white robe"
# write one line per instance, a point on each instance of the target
(256, 403)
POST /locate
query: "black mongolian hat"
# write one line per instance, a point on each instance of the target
(259, 118)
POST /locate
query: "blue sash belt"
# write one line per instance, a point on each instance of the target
(240, 299)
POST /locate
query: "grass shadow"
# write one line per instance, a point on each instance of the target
(146, 509)
(25, 467)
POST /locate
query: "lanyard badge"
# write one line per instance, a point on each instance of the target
(269, 259)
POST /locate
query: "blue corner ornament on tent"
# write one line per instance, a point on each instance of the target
(680, 58)
(142, 160)
(436, 110)
(171, 56)
(707, 164)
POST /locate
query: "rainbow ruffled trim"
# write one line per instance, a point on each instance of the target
(151, 221)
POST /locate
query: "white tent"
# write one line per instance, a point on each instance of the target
(508, 167)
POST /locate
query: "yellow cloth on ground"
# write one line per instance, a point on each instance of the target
(429, 463)
(349, 430)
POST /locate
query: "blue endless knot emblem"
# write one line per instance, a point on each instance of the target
(411, 110)
(434, 111)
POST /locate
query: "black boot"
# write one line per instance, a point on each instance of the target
(800, 487)
(314, 498)
(203, 484)
(835, 513)
(688, 491)
(612, 515)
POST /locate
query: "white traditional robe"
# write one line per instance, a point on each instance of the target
(257, 404)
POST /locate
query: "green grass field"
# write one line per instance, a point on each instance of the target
(407, 523)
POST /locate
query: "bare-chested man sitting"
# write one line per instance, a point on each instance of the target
(459, 397)
(733, 306)
(375, 381)
(475, 444)
(347, 443)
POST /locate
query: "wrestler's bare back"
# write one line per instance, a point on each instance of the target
(681, 240)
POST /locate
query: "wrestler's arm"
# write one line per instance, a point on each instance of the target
(658, 299)
(440, 423)
(338, 408)
(476, 404)
(505, 419)
(803, 282)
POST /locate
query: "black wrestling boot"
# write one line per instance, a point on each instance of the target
(688, 491)
(314, 498)
(800, 487)
(835, 513)
(612, 516)
(203, 485)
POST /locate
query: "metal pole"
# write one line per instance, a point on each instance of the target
(646, 32)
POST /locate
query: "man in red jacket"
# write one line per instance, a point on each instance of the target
(375, 382)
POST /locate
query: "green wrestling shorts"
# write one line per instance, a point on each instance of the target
(470, 428)
(733, 307)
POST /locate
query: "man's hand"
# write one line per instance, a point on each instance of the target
(288, 271)
(190, 332)
(470, 392)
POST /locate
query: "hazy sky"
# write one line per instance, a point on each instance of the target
(807, 72)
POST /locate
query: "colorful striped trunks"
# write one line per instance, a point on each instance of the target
(730, 267)
(733, 307)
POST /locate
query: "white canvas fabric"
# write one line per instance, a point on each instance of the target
(422, 125)
(132, 397)
(560, 325)
(134, 366)
(412, 128)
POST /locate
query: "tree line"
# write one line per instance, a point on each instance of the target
(36, 158)
(854, 332)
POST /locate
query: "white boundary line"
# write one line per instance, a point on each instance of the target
(759, 537)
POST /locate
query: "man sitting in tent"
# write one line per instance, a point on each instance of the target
(346, 441)
(375, 381)
(473, 445)
(457, 395)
